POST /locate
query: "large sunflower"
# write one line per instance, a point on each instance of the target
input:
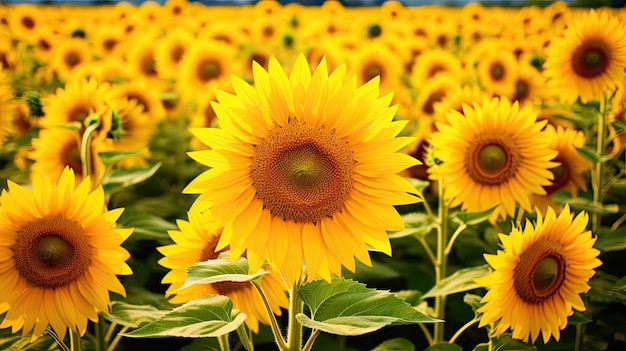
(493, 154)
(589, 59)
(195, 243)
(59, 255)
(303, 168)
(538, 276)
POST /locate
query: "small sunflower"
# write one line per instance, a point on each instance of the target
(170, 51)
(493, 154)
(206, 62)
(589, 59)
(569, 175)
(497, 71)
(59, 255)
(195, 243)
(433, 91)
(432, 62)
(303, 168)
(6, 108)
(539, 275)
(69, 56)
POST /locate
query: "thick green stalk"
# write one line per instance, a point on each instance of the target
(597, 178)
(294, 331)
(75, 341)
(441, 262)
(224, 342)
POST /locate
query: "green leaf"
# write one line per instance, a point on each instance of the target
(219, 270)
(147, 226)
(578, 318)
(505, 343)
(459, 281)
(620, 126)
(592, 156)
(124, 177)
(444, 346)
(110, 158)
(580, 203)
(417, 224)
(17, 342)
(242, 333)
(473, 218)
(346, 307)
(397, 344)
(209, 316)
(620, 285)
(473, 301)
(132, 316)
(611, 240)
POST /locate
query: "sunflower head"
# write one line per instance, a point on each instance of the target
(297, 169)
(539, 275)
(61, 255)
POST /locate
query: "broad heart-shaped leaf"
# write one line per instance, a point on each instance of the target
(132, 316)
(125, 177)
(459, 281)
(146, 226)
(397, 344)
(209, 316)
(346, 307)
(219, 270)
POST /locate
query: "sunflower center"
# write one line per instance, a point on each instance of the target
(28, 22)
(51, 252)
(540, 272)
(208, 252)
(590, 59)
(492, 160)
(371, 71)
(177, 53)
(72, 59)
(521, 91)
(561, 177)
(496, 71)
(302, 173)
(228, 287)
(208, 70)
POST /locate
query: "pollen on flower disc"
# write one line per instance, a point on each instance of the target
(51, 252)
(302, 173)
(492, 160)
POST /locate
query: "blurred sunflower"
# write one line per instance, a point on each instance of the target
(59, 256)
(206, 62)
(142, 55)
(529, 86)
(432, 62)
(538, 276)
(194, 243)
(589, 59)
(6, 108)
(377, 59)
(497, 71)
(569, 175)
(433, 91)
(492, 154)
(68, 56)
(303, 168)
(170, 51)
(24, 21)
(57, 148)
(145, 92)
(456, 98)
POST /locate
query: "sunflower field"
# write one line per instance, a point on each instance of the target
(284, 177)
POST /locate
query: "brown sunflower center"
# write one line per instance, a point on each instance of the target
(302, 173)
(372, 70)
(521, 90)
(51, 252)
(208, 252)
(496, 71)
(28, 22)
(590, 59)
(208, 70)
(492, 160)
(148, 64)
(228, 287)
(72, 58)
(540, 272)
(177, 53)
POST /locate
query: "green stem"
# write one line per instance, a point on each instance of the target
(278, 335)
(117, 338)
(101, 335)
(309, 343)
(457, 232)
(85, 148)
(427, 334)
(462, 329)
(58, 340)
(579, 337)
(429, 212)
(224, 342)
(441, 263)
(597, 171)
(429, 252)
(74, 341)
(294, 329)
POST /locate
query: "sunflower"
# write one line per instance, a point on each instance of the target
(68, 56)
(24, 21)
(569, 175)
(57, 148)
(456, 98)
(497, 71)
(206, 62)
(170, 51)
(377, 59)
(492, 154)
(6, 108)
(195, 243)
(147, 93)
(59, 255)
(432, 62)
(529, 86)
(589, 59)
(539, 275)
(304, 168)
(433, 91)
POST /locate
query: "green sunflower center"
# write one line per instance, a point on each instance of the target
(492, 160)
(540, 272)
(302, 173)
(51, 252)
(208, 70)
(590, 59)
